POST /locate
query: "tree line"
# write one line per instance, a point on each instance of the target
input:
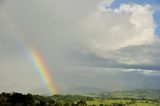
(19, 99)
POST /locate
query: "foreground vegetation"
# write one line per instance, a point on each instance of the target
(18, 99)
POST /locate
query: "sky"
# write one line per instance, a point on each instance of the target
(106, 44)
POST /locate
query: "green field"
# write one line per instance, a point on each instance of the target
(123, 103)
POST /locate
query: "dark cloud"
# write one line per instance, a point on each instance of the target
(150, 52)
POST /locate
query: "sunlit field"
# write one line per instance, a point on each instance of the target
(123, 103)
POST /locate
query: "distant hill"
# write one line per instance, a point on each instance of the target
(102, 93)
(138, 94)
(86, 90)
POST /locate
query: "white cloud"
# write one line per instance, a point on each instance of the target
(133, 70)
(110, 29)
(151, 72)
(142, 71)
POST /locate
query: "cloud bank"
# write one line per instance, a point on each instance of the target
(85, 39)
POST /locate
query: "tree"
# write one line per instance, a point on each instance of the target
(28, 100)
(52, 102)
(82, 103)
(101, 105)
(16, 98)
(66, 104)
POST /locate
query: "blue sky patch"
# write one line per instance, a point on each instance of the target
(117, 3)
(157, 20)
(153, 3)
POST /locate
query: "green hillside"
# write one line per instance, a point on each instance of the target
(138, 94)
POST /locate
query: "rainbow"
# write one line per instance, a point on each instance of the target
(43, 71)
(36, 58)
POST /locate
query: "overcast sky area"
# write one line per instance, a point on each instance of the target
(109, 44)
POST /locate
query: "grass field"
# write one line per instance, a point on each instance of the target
(126, 102)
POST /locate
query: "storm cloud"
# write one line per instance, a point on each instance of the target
(84, 40)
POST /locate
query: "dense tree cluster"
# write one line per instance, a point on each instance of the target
(18, 99)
